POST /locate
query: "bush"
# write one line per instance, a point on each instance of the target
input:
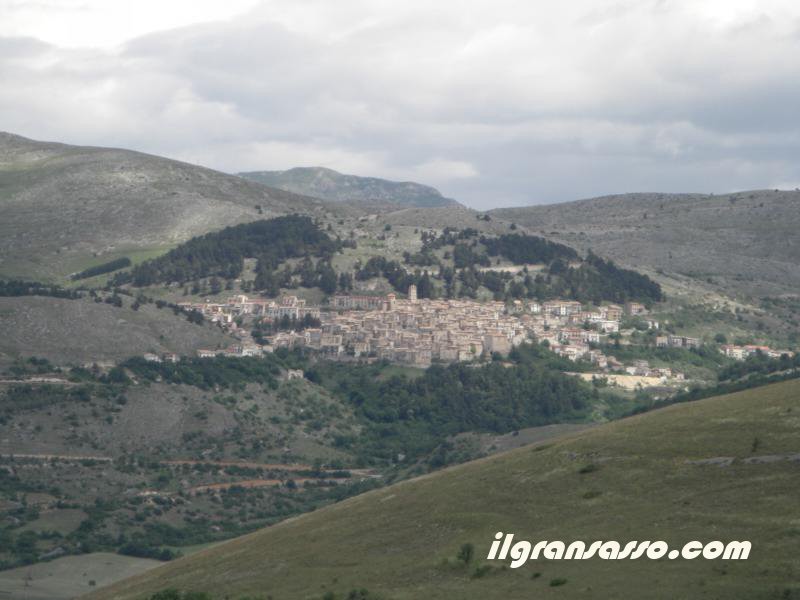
(465, 553)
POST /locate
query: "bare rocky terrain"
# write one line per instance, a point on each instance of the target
(744, 243)
(64, 205)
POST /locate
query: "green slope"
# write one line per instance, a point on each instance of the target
(396, 542)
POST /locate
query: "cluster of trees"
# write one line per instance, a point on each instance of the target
(305, 274)
(208, 373)
(265, 328)
(465, 256)
(107, 267)
(142, 550)
(397, 276)
(222, 253)
(523, 249)
(598, 279)
(31, 366)
(759, 364)
(401, 415)
(469, 280)
(594, 280)
(173, 594)
(706, 356)
(424, 258)
(449, 237)
(35, 397)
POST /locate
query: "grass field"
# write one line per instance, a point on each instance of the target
(70, 576)
(656, 476)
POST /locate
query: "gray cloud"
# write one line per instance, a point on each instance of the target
(495, 103)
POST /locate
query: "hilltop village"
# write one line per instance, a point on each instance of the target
(419, 332)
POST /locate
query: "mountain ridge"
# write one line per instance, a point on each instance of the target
(727, 238)
(327, 184)
(64, 205)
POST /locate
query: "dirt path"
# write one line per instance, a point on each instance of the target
(257, 483)
(37, 381)
(270, 466)
(290, 468)
(57, 457)
(247, 465)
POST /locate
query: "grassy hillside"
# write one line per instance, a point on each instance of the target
(79, 331)
(328, 184)
(70, 576)
(68, 207)
(655, 476)
(744, 242)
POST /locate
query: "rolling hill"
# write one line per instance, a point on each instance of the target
(724, 469)
(81, 331)
(66, 207)
(328, 184)
(745, 242)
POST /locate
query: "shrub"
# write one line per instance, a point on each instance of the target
(465, 553)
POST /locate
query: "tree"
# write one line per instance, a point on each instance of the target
(345, 281)
(327, 278)
(216, 285)
(465, 553)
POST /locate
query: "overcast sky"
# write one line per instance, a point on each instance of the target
(496, 103)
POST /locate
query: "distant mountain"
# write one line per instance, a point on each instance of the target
(328, 184)
(683, 473)
(744, 242)
(63, 206)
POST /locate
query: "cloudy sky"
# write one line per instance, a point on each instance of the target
(497, 103)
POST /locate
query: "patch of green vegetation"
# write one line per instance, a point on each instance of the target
(208, 373)
(222, 253)
(34, 397)
(523, 249)
(707, 358)
(397, 276)
(410, 417)
(759, 364)
(103, 268)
